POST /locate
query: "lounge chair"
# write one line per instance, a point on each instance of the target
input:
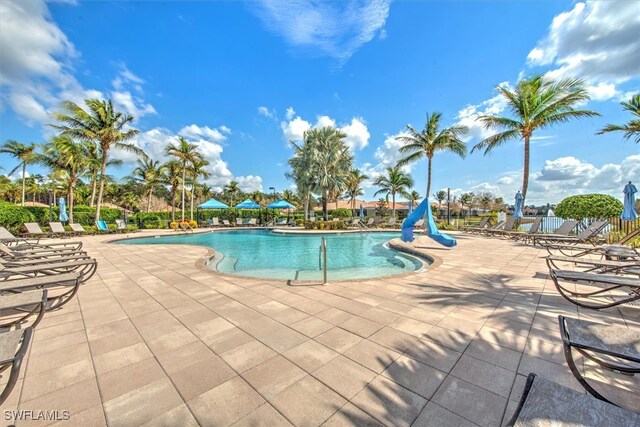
(564, 230)
(215, 222)
(610, 346)
(589, 235)
(226, 223)
(589, 265)
(77, 228)
(281, 221)
(103, 227)
(525, 235)
(33, 229)
(475, 229)
(419, 223)
(20, 306)
(611, 290)
(618, 250)
(61, 288)
(545, 403)
(10, 254)
(22, 243)
(121, 225)
(253, 222)
(391, 223)
(58, 229)
(507, 228)
(370, 223)
(86, 266)
(497, 227)
(13, 347)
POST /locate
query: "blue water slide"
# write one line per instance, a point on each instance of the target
(432, 231)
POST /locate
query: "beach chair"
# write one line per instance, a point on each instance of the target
(23, 243)
(12, 269)
(77, 228)
(18, 307)
(612, 347)
(486, 231)
(545, 403)
(281, 221)
(369, 223)
(524, 236)
(10, 254)
(507, 228)
(391, 223)
(13, 348)
(589, 235)
(595, 291)
(103, 227)
(481, 226)
(253, 222)
(215, 222)
(121, 225)
(226, 223)
(564, 230)
(419, 224)
(33, 229)
(618, 250)
(58, 229)
(61, 288)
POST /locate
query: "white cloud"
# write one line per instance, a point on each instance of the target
(290, 113)
(264, 111)
(36, 66)
(357, 134)
(249, 183)
(597, 41)
(205, 132)
(335, 29)
(468, 115)
(387, 154)
(357, 138)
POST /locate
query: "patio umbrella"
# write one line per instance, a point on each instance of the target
(410, 207)
(517, 211)
(361, 211)
(278, 204)
(213, 204)
(63, 217)
(629, 213)
(248, 204)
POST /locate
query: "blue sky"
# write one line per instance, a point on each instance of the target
(241, 78)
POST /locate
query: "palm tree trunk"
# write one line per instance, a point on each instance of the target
(94, 183)
(173, 204)
(525, 177)
(393, 205)
(149, 201)
(306, 207)
(70, 199)
(103, 168)
(24, 181)
(184, 173)
(325, 213)
(193, 190)
(428, 176)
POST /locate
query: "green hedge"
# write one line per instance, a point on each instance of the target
(593, 206)
(12, 217)
(341, 213)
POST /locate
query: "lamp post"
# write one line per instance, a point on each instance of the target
(448, 205)
(274, 192)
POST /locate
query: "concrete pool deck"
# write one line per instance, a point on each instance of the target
(152, 339)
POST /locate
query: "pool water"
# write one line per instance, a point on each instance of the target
(261, 253)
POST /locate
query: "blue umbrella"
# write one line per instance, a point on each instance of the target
(629, 213)
(248, 204)
(213, 204)
(361, 211)
(410, 207)
(279, 204)
(63, 217)
(517, 211)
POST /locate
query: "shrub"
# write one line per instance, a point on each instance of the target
(173, 225)
(150, 220)
(593, 206)
(12, 217)
(325, 225)
(341, 213)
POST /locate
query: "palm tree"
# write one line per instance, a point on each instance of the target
(354, 189)
(187, 154)
(25, 154)
(440, 196)
(101, 124)
(466, 200)
(331, 163)
(196, 170)
(149, 173)
(289, 197)
(431, 140)
(65, 155)
(231, 189)
(394, 182)
(94, 163)
(173, 178)
(536, 103)
(631, 129)
(301, 164)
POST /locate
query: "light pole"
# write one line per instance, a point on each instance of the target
(448, 205)
(274, 192)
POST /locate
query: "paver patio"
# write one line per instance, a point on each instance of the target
(153, 339)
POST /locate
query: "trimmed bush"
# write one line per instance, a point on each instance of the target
(12, 217)
(341, 213)
(325, 225)
(593, 206)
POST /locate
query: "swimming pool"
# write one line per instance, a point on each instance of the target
(262, 253)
